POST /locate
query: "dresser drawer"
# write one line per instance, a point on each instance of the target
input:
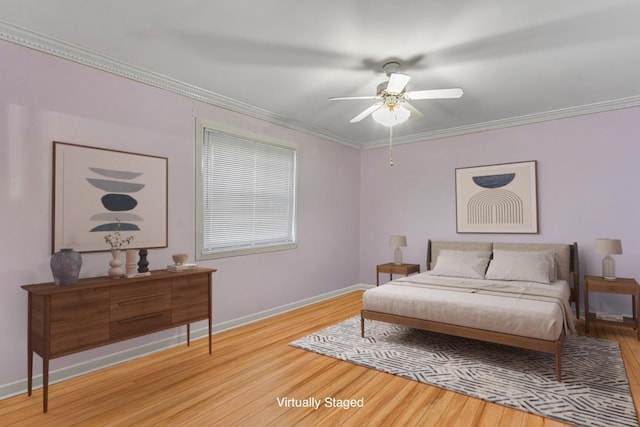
(140, 309)
(140, 324)
(140, 300)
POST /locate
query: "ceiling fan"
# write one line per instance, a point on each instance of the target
(393, 105)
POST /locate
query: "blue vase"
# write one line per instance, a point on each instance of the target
(65, 266)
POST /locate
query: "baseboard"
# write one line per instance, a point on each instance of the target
(20, 386)
(225, 326)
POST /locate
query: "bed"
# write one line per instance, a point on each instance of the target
(513, 294)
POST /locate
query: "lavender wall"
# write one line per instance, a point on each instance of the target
(44, 98)
(349, 201)
(588, 178)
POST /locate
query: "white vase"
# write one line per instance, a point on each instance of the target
(115, 272)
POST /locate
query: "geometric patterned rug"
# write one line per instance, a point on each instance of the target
(594, 390)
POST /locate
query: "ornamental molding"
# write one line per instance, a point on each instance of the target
(40, 42)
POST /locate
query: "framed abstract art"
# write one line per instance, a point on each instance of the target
(498, 198)
(98, 191)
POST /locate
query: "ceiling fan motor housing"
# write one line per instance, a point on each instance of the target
(382, 87)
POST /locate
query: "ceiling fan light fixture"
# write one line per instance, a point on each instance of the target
(392, 106)
(391, 115)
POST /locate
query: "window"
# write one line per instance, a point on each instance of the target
(245, 193)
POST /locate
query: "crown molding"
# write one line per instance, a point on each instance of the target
(598, 107)
(40, 42)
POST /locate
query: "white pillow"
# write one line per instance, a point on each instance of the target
(549, 256)
(454, 266)
(519, 268)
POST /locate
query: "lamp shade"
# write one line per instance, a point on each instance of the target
(398, 241)
(609, 246)
(391, 116)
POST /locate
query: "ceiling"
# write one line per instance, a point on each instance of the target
(280, 60)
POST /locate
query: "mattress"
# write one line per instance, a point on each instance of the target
(525, 309)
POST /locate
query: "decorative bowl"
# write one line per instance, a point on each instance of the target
(180, 259)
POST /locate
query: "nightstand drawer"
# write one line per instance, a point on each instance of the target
(618, 286)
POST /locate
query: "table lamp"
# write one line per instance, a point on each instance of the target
(608, 247)
(397, 242)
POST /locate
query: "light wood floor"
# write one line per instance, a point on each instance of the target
(251, 368)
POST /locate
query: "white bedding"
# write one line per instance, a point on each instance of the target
(519, 308)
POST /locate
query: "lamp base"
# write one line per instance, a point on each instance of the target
(608, 268)
(397, 256)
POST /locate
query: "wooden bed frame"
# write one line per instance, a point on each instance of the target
(536, 344)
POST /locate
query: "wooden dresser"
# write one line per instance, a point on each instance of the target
(97, 311)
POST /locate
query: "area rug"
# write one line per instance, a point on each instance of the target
(594, 390)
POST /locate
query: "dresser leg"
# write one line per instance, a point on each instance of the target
(29, 350)
(45, 384)
(210, 313)
(29, 372)
(211, 332)
(188, 334)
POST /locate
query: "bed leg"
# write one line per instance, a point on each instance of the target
(559, 365)
(361, 325)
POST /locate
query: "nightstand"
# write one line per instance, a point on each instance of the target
(621, 286)
(392, 269)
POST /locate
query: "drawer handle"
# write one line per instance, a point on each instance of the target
(138, 318)
(142, 299)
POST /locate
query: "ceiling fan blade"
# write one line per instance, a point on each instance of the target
(397, 82)
(340, 98)
(415, 113)
(366, 112)
(435, 94)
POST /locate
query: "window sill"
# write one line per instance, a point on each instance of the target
(245, 251)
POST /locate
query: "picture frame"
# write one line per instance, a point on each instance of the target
(98, 191)
(500, 198)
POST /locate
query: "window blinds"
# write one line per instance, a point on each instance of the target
(248, 193)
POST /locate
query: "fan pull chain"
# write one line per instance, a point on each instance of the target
(390, 146)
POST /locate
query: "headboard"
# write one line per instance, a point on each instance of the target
(567, 256)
